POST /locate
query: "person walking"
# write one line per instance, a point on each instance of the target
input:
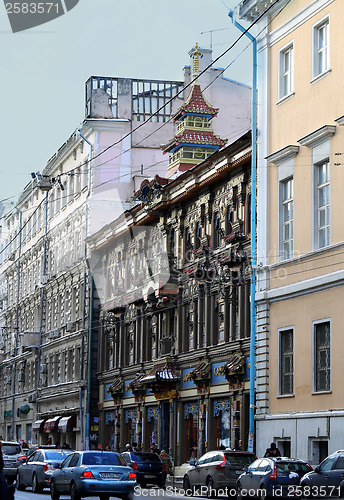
(167, 466)
(273, 451)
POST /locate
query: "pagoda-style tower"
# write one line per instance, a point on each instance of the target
(194, 139)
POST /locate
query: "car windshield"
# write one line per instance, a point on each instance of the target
(238, 459)
(56, 455)
(102, 458)
(146, 457)
(293, 467)
(11, 449)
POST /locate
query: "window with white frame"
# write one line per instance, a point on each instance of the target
(322, 356)
(321, 47)
(323, 205)
(286, 71)
(287, 218)
(286, 361)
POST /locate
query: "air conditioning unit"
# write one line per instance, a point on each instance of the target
(54, 334)
(21, 377)
(12, 256)
(8, 380)
(70, 327)
(44, 368)
(32, 398)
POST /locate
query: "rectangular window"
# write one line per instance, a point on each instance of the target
(321, 47)
(322, 356)
(287, 219)
(323, 204)
(286, 362)
(286, 71)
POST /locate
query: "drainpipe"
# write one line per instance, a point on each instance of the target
(253, 233)
(17, 322)
(39, 352)
(89, 351)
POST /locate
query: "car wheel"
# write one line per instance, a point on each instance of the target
(263, 495)
(74, 494)
(187, 487)
(211, 492)
(36, 488)
(239, 492)
(19, 484)
(55, 495)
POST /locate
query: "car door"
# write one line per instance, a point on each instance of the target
(60, 475)
(205, 468)
(68, 472)
(27, 468)
(247, 478)
(319, 479)
(335, 476)
(194, 472)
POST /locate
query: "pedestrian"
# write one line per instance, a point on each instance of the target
(49, 442)
(154, 449)
(135, 447)
(4, 489)
(127, 448)
(107, 448)
(273, 451)
(167, 466)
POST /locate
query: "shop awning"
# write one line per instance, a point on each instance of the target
(160, 373)
(38, 425)
(51, 424)
(116, 387)
(201, 371)
(234, 365)
(67, 424)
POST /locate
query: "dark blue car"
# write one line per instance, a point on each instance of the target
(148, 467)
(272, 478)
(93, 473)
(327, 479)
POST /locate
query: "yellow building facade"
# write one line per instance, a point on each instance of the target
(300, 290)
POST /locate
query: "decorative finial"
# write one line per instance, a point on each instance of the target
(196, 60)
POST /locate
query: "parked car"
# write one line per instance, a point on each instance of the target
(12, 454)
(93, 473)
(272, 478)
(148, 467)
(327, 479)
(36, 470)
(216, 470)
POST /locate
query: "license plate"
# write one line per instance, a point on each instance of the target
(109, 475)
(150, 476)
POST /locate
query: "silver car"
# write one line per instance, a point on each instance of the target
(215, 471)
(12, 454)
(36, 471)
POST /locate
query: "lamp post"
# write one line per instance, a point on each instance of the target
(253, 233)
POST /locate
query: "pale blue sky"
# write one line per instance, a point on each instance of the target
(43, 70)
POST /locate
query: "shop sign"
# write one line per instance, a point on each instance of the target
(23, 410)
(185, 382)
(7, 413)
(221, 406)
(247, 368)
(107, 394)
(127, 391)
(216, 376)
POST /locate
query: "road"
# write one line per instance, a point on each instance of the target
(144, 495)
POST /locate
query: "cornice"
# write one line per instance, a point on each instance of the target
(283, 155)
(317, 137)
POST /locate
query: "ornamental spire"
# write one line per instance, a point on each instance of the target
(196, 60)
